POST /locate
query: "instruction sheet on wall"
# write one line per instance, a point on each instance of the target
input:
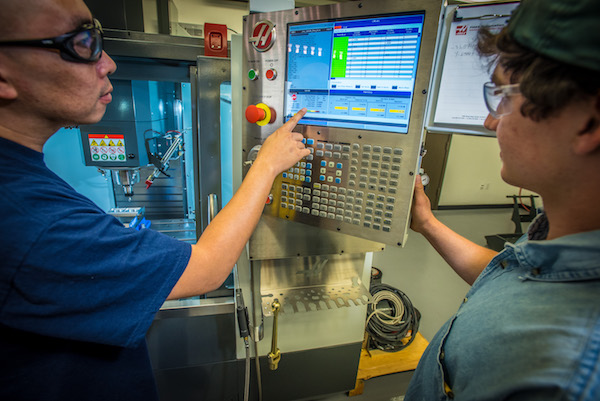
(460, 97)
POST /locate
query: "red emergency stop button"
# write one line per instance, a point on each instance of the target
(255, 114)
(271, 74)
(261, 114)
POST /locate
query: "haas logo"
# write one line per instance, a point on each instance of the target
(263, 36)
(461, 30)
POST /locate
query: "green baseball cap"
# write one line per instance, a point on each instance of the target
(563, 30)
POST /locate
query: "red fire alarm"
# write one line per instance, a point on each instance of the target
(215, 40)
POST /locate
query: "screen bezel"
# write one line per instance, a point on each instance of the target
(420, 12)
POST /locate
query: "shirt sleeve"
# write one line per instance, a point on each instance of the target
(88, 278)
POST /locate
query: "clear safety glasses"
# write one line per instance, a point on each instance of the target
(83, 45)
(496, 98)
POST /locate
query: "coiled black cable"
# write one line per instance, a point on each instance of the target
(389, 331)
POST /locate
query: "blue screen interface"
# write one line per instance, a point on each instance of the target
(357, 73)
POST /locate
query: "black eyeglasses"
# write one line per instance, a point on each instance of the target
(83, 45)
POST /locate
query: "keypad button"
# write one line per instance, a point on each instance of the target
(397, 151)
(366, 148)
(328, 154)
(320, 145)
(320, 153)
(377, 149)
(329, 146)
(314, 212)
(386, 229)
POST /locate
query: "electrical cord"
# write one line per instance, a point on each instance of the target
(388, 331)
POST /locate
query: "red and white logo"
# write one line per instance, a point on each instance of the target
(263, 36)
(461, 30)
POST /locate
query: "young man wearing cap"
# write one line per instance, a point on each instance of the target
(77, 290)
(529, 328)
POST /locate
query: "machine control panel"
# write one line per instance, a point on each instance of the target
(347, 184)
(362, 71)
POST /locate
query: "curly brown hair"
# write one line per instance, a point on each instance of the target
(547, 85)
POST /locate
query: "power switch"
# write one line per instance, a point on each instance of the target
(271, 74)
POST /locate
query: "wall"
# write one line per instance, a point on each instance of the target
(472, 174)
(198, 12)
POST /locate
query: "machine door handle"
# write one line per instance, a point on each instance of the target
(213, 207)
(275, 355)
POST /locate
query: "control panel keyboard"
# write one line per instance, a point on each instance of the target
(355, 187)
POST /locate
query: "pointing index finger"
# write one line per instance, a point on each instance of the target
(291, 123)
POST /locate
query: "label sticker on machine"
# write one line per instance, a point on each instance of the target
(107, 147)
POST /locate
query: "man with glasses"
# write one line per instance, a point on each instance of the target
(78, 291)
(529, 328)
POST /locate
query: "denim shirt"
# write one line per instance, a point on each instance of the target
(528, 329)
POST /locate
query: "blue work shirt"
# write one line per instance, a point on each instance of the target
(78, 291)
(528, 329)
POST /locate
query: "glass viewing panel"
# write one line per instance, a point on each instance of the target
(357, 73)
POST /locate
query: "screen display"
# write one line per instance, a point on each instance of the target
(354, 73)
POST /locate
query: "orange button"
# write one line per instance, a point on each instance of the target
(254, 114)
